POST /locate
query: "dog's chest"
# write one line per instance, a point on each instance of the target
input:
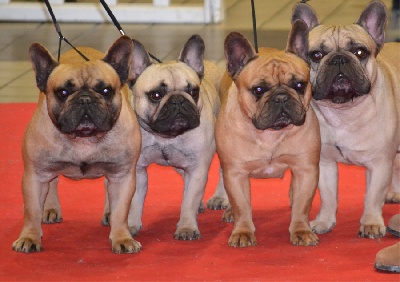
(342, 154)
(165, 155)
(89, 163)
(80, 170)
(274, 169)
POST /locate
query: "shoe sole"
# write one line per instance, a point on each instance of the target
(387, 268)
(393, 232)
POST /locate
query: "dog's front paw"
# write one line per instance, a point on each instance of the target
(392, 198)
(228, 215)
(52, 216)
(372, 231)
(218, 203)
(304, 238)
(187, 234)
(321, 227)
(27, 245)
(126, 246)
(242, 239)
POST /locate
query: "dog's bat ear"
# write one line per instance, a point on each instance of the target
(43, 64)
(373, 20)
(140, 61)
(192, 54)
(238, 52)
(298, 40)
(303, 11)
(119, 56)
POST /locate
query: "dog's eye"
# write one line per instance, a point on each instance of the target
(194, 92)
(258, 91)
(300, 86)
(360, 53)
(106, 91)
(316, 56)
(62, 93)
(155, 96)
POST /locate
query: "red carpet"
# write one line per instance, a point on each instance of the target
(78, 248)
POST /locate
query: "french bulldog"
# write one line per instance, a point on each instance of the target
(356, 95)
(83, 127)
(176, 104)
(266, 127)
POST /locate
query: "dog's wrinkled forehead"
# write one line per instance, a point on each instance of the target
(340, 37)
(89, 74)
(175, 75)
(276, 70)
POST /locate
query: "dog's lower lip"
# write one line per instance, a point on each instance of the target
(85, 132)
(86, 128)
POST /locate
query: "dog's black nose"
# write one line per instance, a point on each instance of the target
(177, 99)
(85, 99)
(339, 60)
(280, 98)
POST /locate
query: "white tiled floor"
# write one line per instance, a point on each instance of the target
(17, 83)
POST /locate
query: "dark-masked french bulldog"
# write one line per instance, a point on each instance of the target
(356, 89)
(266, 127)
(176, 103)
(83, 127)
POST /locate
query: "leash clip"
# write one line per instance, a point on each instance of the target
(60, 35)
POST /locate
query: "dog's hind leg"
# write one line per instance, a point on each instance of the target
(328, 189)
(52, 208)
(136, 208)
(393, 195)
(219, 201)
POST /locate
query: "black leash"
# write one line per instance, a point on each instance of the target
(112, 17)
(253, 14)
(60, 36)
(118, 26)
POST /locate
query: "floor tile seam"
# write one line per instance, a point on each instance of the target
(276, 14)
(231, 7)
(18, 38)
(14, 79)
(332, 13)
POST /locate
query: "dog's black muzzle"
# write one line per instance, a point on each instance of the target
(177, 116)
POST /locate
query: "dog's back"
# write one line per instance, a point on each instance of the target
(389, 62)
(73, 57)
(390, 55)
(212, 78)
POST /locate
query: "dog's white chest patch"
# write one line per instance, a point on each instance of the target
(269, 170)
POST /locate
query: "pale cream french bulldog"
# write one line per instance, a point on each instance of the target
(83, 127)
(355, 79)
(176, 104)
